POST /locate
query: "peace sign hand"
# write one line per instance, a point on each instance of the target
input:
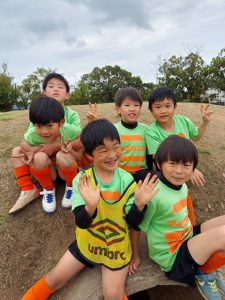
(92, 114)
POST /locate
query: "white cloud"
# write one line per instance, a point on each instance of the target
(75, 36)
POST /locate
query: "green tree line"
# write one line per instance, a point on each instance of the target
(189, 76)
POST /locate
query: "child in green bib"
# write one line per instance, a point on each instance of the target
(180, 249)
(106, 202)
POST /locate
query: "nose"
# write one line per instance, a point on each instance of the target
(179, 168)
(44, 131)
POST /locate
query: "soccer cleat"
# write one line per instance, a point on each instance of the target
(220, 282)
(24, 199)
(207, 286)
(66, 200)
(48, 201)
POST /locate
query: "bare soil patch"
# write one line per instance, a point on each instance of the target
(32, 242)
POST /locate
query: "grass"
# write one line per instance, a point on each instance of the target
(222, 147)
(204, 151)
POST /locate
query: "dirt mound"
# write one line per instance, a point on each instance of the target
(32, 242)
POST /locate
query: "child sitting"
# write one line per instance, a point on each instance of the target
(180, 249)
(55, 86)
(105, 199)
(47, 115)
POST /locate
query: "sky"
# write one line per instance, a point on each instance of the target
(74, 36)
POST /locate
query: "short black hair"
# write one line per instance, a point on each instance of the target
(57, 76)
(159, 94)
(94, 133)
(45, 110)
(127, 92)
(176, 148)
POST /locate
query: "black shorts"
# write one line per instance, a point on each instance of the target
(184, 267)
(73, 248)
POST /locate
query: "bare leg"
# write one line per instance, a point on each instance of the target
(211, 240)
(113, 283)
(67, 267)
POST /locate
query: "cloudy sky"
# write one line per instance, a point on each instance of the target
(74, 36)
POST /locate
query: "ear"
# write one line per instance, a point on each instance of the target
(62, 122)
(67, 96)
(158, 166)
(117, 108)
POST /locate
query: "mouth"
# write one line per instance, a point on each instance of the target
(112, 163)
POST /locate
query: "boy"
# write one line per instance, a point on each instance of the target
(57, 87)
(47, 115)
(104, 200)
(162, 104)
(128, 103)
(174, 244)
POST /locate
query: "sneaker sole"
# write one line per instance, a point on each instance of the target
(15, 212)
(200, 291)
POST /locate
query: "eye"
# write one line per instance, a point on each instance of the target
(172, 163)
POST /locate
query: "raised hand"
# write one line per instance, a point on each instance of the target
(145, 191)
(92, 114)
(66, 146)
(206, 113)
(90, 195)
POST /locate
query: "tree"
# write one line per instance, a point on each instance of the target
(30, 87)
(101, 84)
(187, 76)
(8, 90)
(217, 72)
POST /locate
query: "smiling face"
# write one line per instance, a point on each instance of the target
(163, 110)
(49, 132)
(106, 157)
(56, 89)
(129, 110)
(177, 173)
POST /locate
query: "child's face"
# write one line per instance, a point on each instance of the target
(56, 89)
(177, 173)
(106, 157)
(49, 132)
(163, 111)
(129, 110)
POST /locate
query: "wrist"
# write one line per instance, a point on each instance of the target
(139, 205)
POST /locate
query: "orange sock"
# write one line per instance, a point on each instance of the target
(69, 173)
(43, 177)
(190, 208)
(216, 261)
(125, 297)
(23, 178)
(39, 291)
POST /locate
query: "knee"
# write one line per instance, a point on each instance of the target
(40, 160)
(16, 151)
(64, 160)
(221, 232)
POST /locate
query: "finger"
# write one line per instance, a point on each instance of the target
(153, 180)
(147, 177)
(18, 156)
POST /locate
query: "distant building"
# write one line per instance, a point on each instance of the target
(216, 97)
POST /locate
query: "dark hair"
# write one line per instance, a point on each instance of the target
(94, 133)
(160, 94)
(176, 148)
(45, 110)
(57, 76)
(128, 92)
